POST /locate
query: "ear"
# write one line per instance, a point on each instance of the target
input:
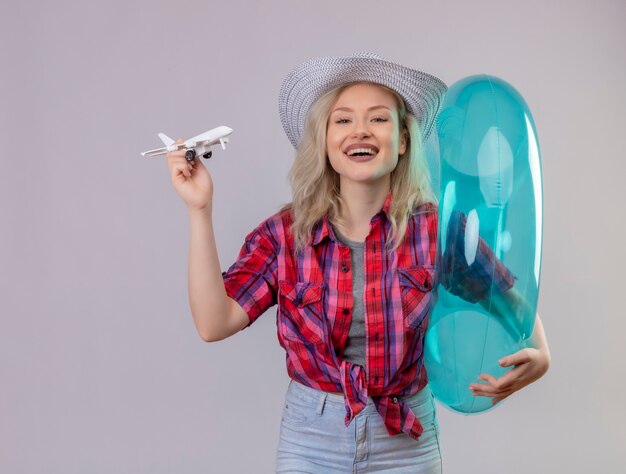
(403, 143)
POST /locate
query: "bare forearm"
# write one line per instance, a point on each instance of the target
(538, 338)
(207, 295)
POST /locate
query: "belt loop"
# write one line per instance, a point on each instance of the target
(320, 405)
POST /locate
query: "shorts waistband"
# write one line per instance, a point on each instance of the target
(315, 397)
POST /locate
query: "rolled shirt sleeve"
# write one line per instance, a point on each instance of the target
(471, 282)
(252, 279)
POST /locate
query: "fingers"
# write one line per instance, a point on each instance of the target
(495, 398)
(180, 152)
(502, 387)
(502, 396)
(181, 168)
(519, 357)
(485, 389)
(177, 162)
(512, 380)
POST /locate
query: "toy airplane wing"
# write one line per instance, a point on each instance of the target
(170, 145)
(155, 152)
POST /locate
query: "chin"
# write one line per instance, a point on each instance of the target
(364, 178)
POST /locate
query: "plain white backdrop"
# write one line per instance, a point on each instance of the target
(101, 369)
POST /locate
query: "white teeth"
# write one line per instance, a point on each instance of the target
(354, 151)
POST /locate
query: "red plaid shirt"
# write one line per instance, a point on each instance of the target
(314, 296)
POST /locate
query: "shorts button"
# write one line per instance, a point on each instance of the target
(395, 400)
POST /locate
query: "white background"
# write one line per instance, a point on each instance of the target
(101, 369)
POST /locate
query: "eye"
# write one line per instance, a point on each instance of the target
(379, 119)
(342, 120)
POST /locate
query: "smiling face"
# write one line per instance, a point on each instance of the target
(363, 134)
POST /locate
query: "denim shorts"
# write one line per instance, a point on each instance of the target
(314, 438)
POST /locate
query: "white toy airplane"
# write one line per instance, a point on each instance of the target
(198, 145)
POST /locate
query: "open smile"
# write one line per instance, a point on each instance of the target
(361, 152)
(360, 158)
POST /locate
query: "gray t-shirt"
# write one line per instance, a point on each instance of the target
(355, 344)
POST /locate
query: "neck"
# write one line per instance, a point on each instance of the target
(361, 203)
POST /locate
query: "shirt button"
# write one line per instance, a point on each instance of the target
(395, 400)
(346, 311)
(375, 379)
(345, 269)
(376, 336)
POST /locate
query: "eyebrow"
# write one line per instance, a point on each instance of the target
(348, 109)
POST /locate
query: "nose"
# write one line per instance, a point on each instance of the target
(361, 129)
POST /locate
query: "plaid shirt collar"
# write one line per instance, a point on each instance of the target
(324, 229)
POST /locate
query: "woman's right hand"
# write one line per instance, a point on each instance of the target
(193, 183)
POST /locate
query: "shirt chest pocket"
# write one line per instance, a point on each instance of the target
(416, 285)
(301, 313)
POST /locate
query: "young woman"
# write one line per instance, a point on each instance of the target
(351, 264)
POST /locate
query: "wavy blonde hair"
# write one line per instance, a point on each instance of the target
(315, 184)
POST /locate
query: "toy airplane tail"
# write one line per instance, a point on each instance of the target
(166, 140)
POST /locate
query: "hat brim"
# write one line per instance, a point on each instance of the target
(423, 93)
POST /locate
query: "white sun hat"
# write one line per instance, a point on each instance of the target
(422, 92)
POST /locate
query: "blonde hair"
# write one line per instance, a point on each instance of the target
(315, 184)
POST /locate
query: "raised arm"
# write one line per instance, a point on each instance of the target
(216, 315)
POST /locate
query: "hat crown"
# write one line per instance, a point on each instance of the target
(422, 92)
(368, 55)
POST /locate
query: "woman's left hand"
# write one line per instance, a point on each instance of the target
(529, 365)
